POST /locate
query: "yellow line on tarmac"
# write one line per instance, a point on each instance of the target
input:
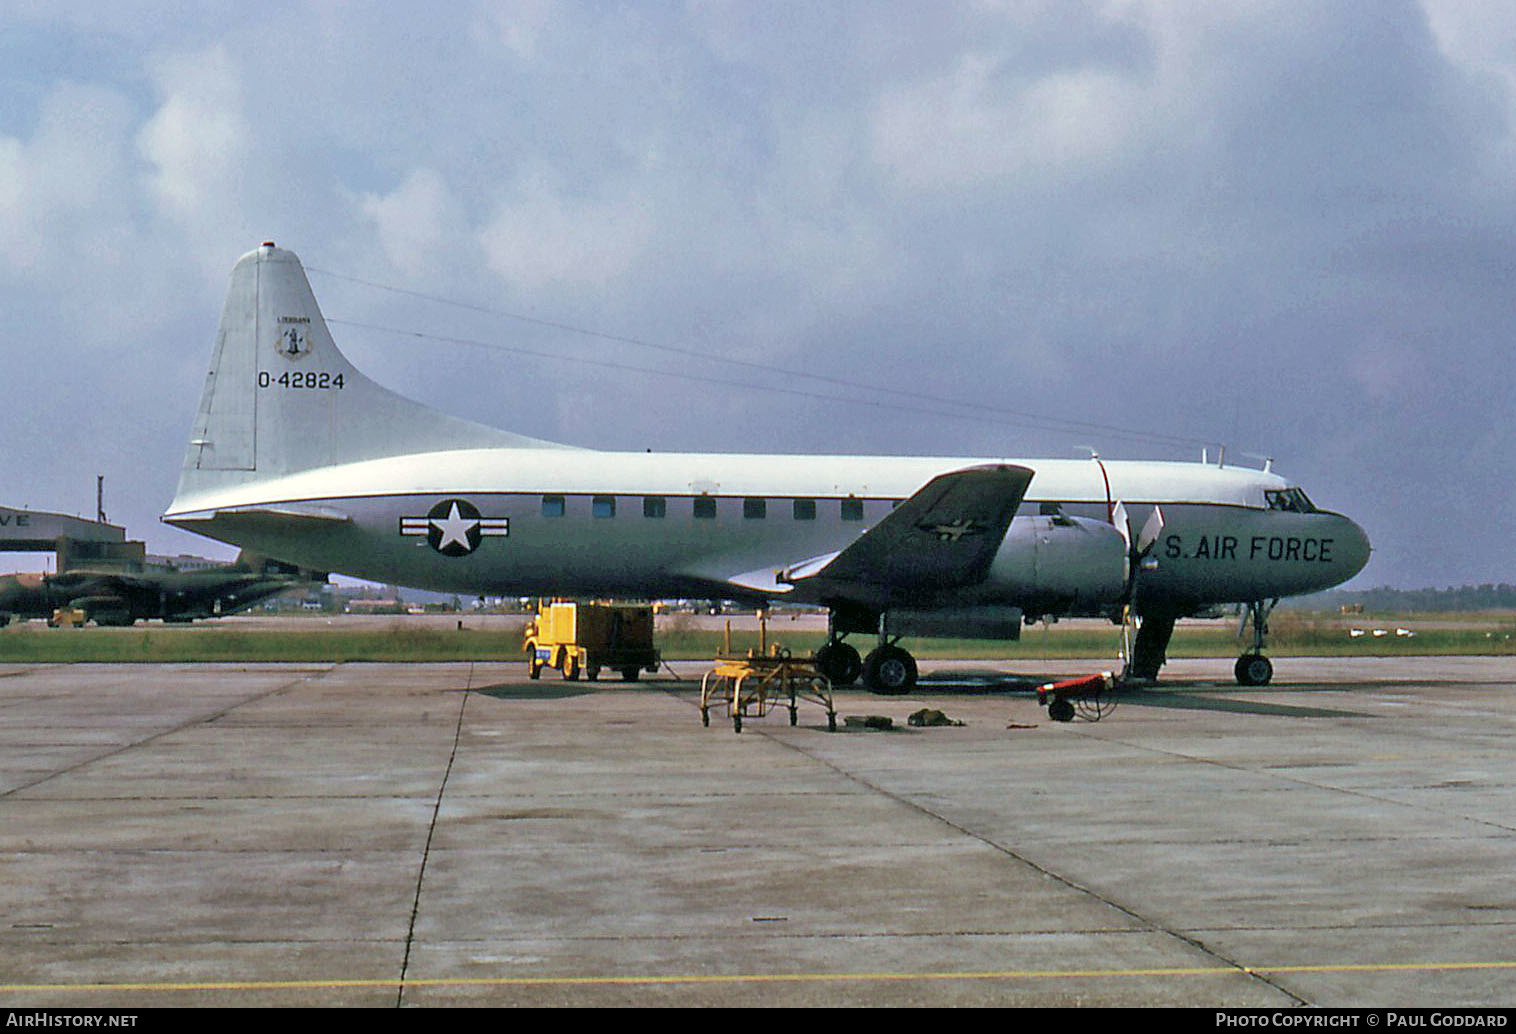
(752, 978)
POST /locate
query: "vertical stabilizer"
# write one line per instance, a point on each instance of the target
(281, 398)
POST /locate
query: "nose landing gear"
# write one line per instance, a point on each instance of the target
(1253, 668)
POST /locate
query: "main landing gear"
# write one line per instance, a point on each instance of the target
(839, 662)
(1253, 668)
(889, 669)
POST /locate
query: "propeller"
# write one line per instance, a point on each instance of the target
(1136, 553)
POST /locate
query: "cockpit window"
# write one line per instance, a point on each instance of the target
(1292, 500)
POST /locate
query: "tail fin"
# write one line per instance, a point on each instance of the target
(281, 398)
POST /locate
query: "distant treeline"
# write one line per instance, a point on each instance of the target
(1465, 597)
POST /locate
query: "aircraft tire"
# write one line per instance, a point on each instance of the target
(840, 663)
(890, 671)
(1253, 669)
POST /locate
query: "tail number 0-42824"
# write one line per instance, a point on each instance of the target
(318, 380)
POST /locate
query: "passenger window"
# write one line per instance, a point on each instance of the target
(603, 506)
(852, 509)
(552, 506)
(654, 506)
(805, 509)
(705, 507)
(755, 509)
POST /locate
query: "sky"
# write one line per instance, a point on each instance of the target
(1143, 227)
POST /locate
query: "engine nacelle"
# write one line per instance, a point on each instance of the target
(1060, 565)
(987, 622)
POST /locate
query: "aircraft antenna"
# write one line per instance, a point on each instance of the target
(922, 401)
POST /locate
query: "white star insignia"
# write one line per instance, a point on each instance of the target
(455, 528)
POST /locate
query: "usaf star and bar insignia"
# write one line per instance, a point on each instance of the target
(963, 527)
(454, 527)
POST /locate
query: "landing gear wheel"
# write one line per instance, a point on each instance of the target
(890, 671)
(1253, 669)
(1061, 710)
(840, 663)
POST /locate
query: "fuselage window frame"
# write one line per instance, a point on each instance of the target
(704, 507)
(554, 506)
(804, 509)
(852, 509)
(1288, 500)
(655, 507)
(603, 507)
(755, 509)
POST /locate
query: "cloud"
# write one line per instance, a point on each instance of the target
(541, 236)
(198, 141)
(65, 193)
(1287, 225)
(418, 223)
(968, 127)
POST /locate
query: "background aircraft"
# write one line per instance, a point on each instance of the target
(297, 454)
(114, 596)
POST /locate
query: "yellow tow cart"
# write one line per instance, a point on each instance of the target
(587, 637)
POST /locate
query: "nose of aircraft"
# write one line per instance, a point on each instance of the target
(1350, 551)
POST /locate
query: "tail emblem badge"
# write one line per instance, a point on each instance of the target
(294, 337)
(454, 527)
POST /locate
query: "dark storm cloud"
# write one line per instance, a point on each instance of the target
(1285, 227)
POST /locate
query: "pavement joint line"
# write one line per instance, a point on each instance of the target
(431, 831)
(759, 978)
(1193, 942)
(198, 720)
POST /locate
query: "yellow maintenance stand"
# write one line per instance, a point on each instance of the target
(750, 684)
(587, 637)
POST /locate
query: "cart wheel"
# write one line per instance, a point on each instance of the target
(630, 674)
(571, 669)
(534, 667)
(592, 672)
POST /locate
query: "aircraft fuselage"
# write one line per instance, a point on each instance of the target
(581, 522)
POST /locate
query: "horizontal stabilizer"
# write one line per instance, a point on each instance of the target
(307, 516)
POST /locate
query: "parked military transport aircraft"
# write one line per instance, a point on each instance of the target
(116, 595)
(296, 454)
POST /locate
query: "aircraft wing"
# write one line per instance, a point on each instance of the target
(943, 537)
